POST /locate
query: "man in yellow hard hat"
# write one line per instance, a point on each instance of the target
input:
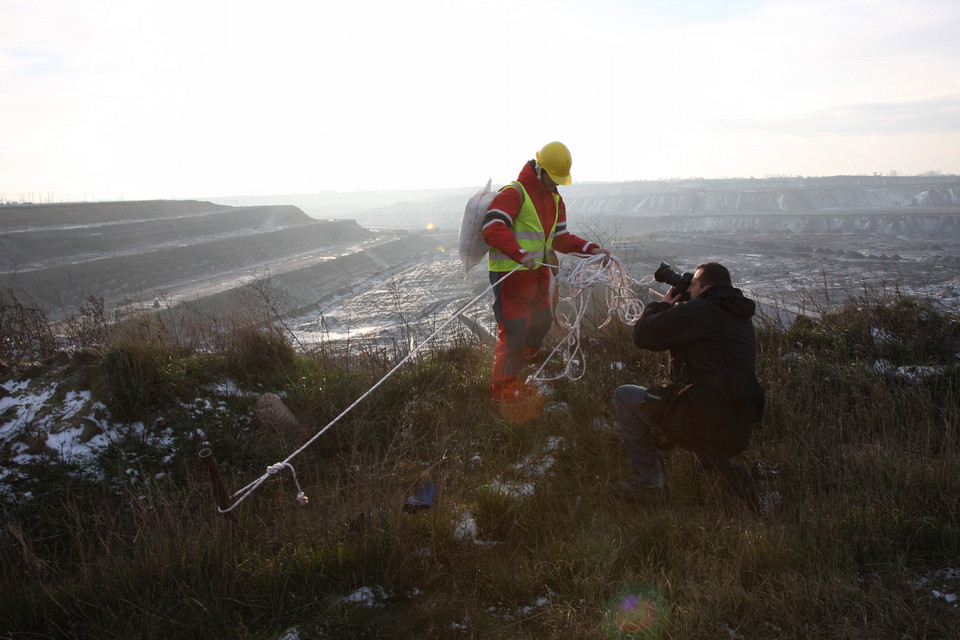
(524, 224)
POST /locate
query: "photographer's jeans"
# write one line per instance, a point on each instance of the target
(648, 468)
(645, 458)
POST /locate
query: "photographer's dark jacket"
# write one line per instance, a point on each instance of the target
(713, 350)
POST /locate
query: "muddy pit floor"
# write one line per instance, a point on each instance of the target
(786, 274)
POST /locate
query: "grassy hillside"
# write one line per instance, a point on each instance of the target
(525, 538)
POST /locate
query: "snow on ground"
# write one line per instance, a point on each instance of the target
(532, 467)
(913, 373)
(371, 597)
(944, 585)
(28, 405)
(36, 427)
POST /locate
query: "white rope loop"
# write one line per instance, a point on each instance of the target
(272, 470)
(575, 286)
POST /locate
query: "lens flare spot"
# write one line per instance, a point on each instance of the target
(430, 226)
(526, 406)
(636, 613)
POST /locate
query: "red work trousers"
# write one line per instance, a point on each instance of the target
(521, 306)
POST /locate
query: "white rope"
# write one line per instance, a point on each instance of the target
(241, 495)
(576, 284)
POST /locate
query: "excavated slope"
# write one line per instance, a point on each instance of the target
(57, 256)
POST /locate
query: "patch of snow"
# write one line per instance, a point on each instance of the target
(602, 425)
(34, 411)
(512, 489)
(555, 442)
(912, 373)
(372, 597)
(556, 407)
(228, 389)
(540, 464)
(466, 527)
(30, 405)
(66, 442)
(543, 388)
(523, 611)
(942, 580)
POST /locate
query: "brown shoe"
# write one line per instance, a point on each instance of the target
(644, 496)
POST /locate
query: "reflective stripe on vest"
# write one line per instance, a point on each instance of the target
(528, 231)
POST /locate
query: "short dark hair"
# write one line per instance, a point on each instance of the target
(714, 274)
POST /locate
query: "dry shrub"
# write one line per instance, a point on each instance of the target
(259, 354)
(143, 368)
(25, 332)
(90, 326)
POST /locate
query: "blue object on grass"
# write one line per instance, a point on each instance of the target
(424, 499)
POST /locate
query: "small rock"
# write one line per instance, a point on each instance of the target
(90, 430)
(33, 370)
(61, 426)
(82, 359)
(59, 359)
(272, 413)
(37, 445)
(76, 381)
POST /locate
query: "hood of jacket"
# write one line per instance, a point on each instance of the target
(730, 300)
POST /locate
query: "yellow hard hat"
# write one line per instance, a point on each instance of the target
(555, 159)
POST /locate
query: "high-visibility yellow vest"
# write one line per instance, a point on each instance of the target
(528, 232)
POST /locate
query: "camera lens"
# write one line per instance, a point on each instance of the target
(667, 275)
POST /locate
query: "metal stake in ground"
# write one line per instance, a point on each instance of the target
(219, 489)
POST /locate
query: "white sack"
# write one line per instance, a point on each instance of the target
(473, 249)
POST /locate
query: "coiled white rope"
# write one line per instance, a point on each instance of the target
(574, 290)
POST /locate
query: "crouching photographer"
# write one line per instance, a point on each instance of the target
(714, 399)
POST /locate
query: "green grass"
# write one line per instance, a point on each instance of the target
(869, 467)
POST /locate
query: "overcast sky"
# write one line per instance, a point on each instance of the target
(201, 98)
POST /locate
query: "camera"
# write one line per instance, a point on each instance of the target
(679, 282)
